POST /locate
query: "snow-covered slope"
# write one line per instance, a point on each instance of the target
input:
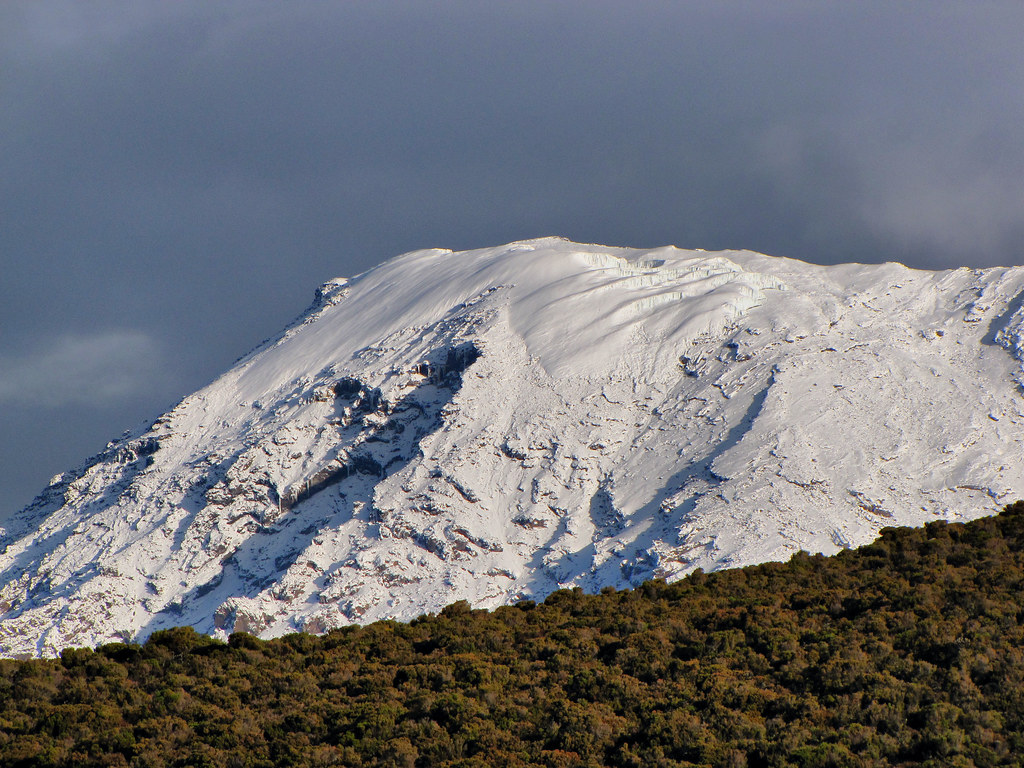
(496, 424)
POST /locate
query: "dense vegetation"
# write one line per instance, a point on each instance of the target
(908, 651)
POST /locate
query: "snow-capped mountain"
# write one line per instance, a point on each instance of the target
(496, 424)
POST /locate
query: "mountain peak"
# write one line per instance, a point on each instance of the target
(495, 424)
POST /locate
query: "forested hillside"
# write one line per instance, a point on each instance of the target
(909, 651)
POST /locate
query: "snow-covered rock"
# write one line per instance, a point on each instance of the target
(496, 424)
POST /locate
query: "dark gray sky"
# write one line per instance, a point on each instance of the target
(176, 178)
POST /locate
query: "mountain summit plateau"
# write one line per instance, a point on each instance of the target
(492, 425)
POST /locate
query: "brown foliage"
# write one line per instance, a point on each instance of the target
(905, 652)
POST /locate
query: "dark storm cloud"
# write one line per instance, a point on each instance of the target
(187, 173)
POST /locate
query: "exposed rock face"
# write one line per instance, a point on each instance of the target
(495, 424)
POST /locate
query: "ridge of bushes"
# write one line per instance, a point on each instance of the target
(907, 651)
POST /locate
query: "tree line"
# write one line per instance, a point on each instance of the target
(907, 651)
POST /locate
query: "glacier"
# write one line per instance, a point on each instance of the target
(496, 424)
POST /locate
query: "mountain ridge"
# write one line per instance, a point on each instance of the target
(495, 424)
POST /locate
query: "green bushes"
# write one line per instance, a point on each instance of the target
(907, 652)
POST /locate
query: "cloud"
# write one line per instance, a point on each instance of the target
(83, 370)
(931, 199)
(975, 210)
